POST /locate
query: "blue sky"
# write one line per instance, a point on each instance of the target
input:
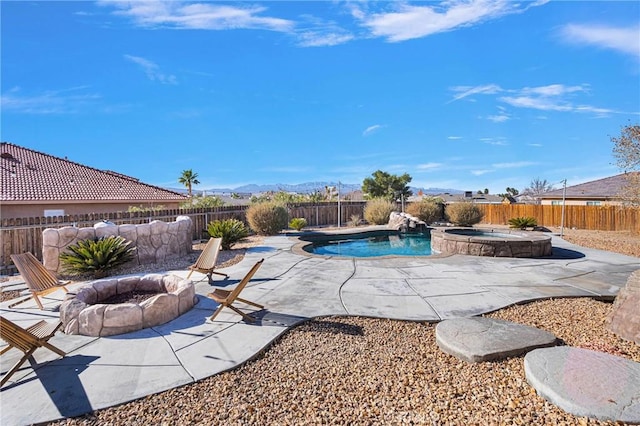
(459, 94)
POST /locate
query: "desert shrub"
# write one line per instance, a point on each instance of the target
(427, 210)
(230, 230)
(267, 218)
(523, 222)
(377, 211)
(463, 214)
(298, 223)
(96, 256)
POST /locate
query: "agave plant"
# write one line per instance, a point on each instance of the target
(298, 223)
(230, 230)
(523, 222)
(97, 256)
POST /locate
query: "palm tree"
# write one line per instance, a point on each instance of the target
(188, 179)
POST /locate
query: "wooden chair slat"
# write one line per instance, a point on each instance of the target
(206, 262)
(40, 281)
(227, 297)
(27, 340)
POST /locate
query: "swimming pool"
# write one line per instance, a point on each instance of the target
(367, 245)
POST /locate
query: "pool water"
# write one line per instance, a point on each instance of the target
(384, 245)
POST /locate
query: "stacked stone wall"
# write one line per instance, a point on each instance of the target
(155, 242)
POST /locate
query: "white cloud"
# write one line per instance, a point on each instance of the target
(495, 141)
(405, 22)
(513, 165)
(553, 90)
(537, 145)
(501, 118)
(552, 97)
(453, 138)
(429, 166)
(544, 104)
(371, 129)
(465, 91)
(481, 172)
(624, 40)
(202, 16)
(66, 101)
(318, 39)
(152, 70)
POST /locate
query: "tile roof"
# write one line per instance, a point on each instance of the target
(27, 175)
(609, 187)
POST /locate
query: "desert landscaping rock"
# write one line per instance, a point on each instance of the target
(487, 339)
(624, 319)
(586, 383)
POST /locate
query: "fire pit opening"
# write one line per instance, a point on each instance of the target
(121, 305)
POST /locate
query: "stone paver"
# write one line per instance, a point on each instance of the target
(106, 371)
(488, 339)
(586, 383)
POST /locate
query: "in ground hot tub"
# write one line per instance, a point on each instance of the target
(490, 242)
(83, 313)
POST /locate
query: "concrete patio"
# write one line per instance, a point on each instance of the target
(102, 372)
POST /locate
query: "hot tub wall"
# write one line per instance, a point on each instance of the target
(155, 242)
(529, 245)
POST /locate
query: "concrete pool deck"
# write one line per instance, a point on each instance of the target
(102, 372)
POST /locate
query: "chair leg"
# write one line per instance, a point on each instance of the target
(248, 302)
(215, 314)
(16, 366)
(53, 348)
(247, 317)
(220, 273)
(37, 299)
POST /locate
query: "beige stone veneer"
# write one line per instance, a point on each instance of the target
(155, 242)
(82, 312)
(483, 242)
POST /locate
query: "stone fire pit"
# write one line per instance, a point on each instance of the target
(82, 312)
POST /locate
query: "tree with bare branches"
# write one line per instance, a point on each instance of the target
(537, 187)
(626, 149)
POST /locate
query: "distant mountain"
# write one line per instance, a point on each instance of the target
(303, 188)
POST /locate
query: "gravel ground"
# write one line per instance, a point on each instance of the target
(624, 242)
(362, 371)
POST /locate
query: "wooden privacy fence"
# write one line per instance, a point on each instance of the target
(602, 218)
(25, 234)
(21, 235)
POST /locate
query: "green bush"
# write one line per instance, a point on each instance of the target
(463, 214)
(427, 210)
(377, 211)
(298, 223)
(267, 218)
(230, 230)
(523, 222)
(97, 256)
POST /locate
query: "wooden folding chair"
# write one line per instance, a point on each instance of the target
(226, 297)
(27, 340)
(39, 280)
(207, 260)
